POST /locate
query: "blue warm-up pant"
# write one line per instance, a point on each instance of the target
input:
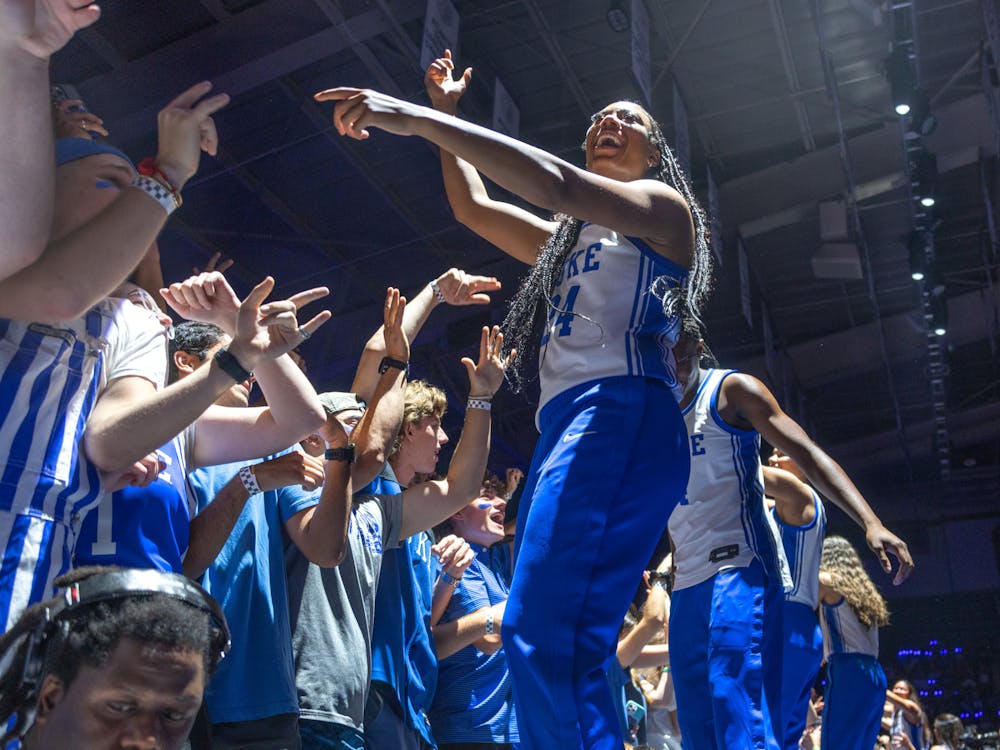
(852, 705)
(725, 683)
(802, 642)
(610, 465)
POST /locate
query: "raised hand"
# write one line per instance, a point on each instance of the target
(266, 331)
(514, 477)
(442, 87)
(461, 288)
(454, 554)
(140, 474)
(356, 109)
(206, 298)
(289, 469)
(397, 346)
(186, 128)
(42, 27)
(69, 121)
(883, 542)
(486, 375)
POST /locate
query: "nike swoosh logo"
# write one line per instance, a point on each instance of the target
(571, 436)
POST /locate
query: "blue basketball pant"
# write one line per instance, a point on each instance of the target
(726, 662)
(852, 705)
(803, 644)
(610, 465)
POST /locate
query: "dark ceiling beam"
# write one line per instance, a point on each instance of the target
(791, 72)
(569, 75)
(104, 49)
(160, 75)
(679, 45)
(217, 9)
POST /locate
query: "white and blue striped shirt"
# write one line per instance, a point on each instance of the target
(50, 379)
(803, 547)
(722, 522)
(843, 632)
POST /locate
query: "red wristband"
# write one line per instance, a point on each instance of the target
(149, 168)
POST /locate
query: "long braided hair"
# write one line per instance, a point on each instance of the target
(532, 304)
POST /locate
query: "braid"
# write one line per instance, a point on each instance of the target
(17, 700)
(532, 303)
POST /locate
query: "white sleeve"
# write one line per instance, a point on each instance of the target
(137, 345)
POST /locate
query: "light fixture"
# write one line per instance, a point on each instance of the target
(922, 120)
(925, 175)
(617, 16)
(917, 246)
(900, 72)
(939, 315)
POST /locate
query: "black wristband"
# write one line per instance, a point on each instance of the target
(340, 454)
(231, 366)
(399, 364)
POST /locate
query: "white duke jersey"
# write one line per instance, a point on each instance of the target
(607, 321)
(722, 522)
(843, 632)
(50, 376)
(803, 546)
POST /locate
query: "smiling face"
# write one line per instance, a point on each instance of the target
(145, 696)
(617, 143)
(481, 521)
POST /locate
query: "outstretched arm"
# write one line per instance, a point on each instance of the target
(517, 232)
(430, 503)
(31, 31)
(746, 401)
(643, 207)
(794, 502)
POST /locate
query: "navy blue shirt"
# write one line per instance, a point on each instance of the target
(475, 701)
(403, 654)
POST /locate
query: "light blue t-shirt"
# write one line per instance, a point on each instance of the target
(474, 701)
(257, 677)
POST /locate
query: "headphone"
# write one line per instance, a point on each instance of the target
(104, 587)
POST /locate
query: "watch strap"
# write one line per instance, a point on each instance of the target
(231, 366)
(340, 454)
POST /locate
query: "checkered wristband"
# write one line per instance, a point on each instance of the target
(170, 200)
(478, 403)
(249, 480)
(438, 294)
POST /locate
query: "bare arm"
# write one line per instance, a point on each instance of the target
(430, 503)
(452, 637)
(455, 556)
(647, 208)
(910, 709)
(794, 502)
(746, 401)
(517, 232)
(654, 617)
(30, 33)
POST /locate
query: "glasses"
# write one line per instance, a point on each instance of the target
(628, 116)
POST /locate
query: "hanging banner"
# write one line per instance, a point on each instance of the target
(744, 267)
(506, 114)
(440, 32)
(714, 218)
(682, 140)
(639, 32)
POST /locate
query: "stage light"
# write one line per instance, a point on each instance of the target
(617, 16)
(939, 315)
(925, 175)
(917, 246)
(900, 72)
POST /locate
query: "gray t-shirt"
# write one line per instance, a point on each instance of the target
(332, 614)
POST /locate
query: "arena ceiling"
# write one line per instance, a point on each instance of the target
(773, 89)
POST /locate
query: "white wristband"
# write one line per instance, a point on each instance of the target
(438, 294)
(489, 622)
(158, 192)
(249, 480)
(478, 403)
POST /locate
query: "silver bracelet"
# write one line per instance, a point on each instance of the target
(489, 622)
(249, 480)
(438, 294)
(478, 403)
(158, 192)
(449, 580)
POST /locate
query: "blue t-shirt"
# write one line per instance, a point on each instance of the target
(257, 678)
(474, 701)
(403, 653)
(143, 527)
